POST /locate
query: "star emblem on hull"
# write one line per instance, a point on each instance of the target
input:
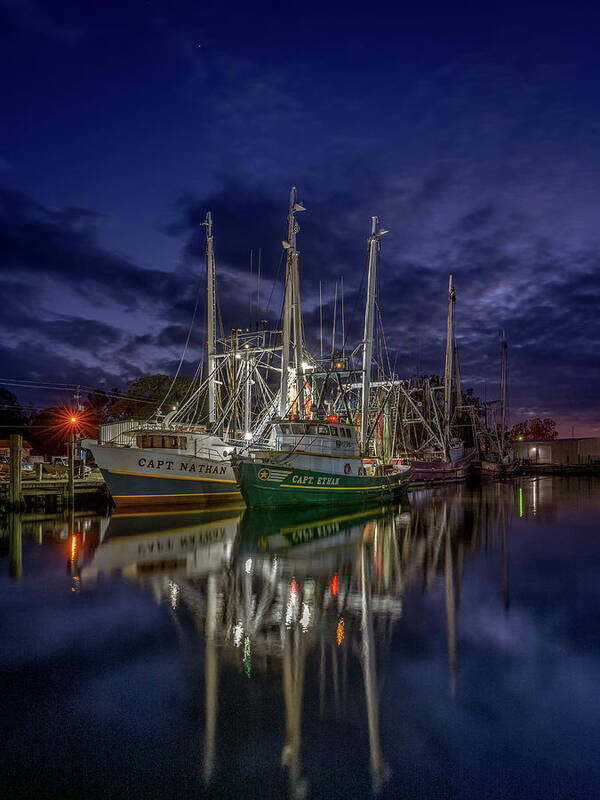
(263, 474)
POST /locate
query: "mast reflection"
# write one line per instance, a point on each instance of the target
(277, 593)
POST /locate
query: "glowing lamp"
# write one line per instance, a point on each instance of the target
(332, 418)
(73, 419)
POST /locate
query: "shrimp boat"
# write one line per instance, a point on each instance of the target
(496, 458)
(439, 456)
(171, 459)
(317, 461)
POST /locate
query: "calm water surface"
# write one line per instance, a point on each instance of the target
(445, 648)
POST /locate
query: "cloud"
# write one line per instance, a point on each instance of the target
(51, 21)
(508, 274)
(39, 242)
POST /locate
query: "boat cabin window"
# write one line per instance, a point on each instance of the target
(313, 429)
(334, 430)
(145, 440)
(286, 428)
(323, 430)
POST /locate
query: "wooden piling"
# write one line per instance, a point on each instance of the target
(15, 545)
(15, 493)
(71, 474)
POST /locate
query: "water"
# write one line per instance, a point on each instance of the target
(444, 648)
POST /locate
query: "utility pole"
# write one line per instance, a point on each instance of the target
(78, 408)
(71, 465)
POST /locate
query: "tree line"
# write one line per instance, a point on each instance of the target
(47, 429)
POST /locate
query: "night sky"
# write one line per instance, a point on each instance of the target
(472, 131)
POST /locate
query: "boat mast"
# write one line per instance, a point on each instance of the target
(457, 375)
(211, 316)
(448, 367)
(298, 332)
(503, 393)
(292, 304)
(247, 394)
(372, 281)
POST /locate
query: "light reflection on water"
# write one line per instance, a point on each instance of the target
(372, 651)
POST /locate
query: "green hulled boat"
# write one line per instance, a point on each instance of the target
(308, 462)
(314, 463)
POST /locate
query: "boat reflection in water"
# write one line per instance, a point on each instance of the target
(294, 595)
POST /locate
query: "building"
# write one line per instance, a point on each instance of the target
(5, 448)
(563, 452)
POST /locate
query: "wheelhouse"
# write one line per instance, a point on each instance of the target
(201, 445)
(315, 436)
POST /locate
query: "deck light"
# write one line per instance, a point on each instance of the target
(73, 419)
(332, 418)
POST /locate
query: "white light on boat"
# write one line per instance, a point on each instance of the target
(238, 355)
(291, 610)
(238, 631)
(305, 365)
(305, 618)
(247, 436)
(248, 566)
(173, 594)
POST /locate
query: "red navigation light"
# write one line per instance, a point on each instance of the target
(334, 585)
(332, 418)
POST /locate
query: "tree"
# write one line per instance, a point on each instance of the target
(534, 429)
(13, 418)
(149, 393)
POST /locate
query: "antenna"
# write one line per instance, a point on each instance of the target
(321, 314)
(334, 316)
(258, 289)
(250, 293)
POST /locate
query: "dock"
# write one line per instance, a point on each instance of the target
(53, 493)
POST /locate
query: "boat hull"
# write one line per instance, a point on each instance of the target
(267, 485)
(493, 469)
(137, 477)
(441, 471)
